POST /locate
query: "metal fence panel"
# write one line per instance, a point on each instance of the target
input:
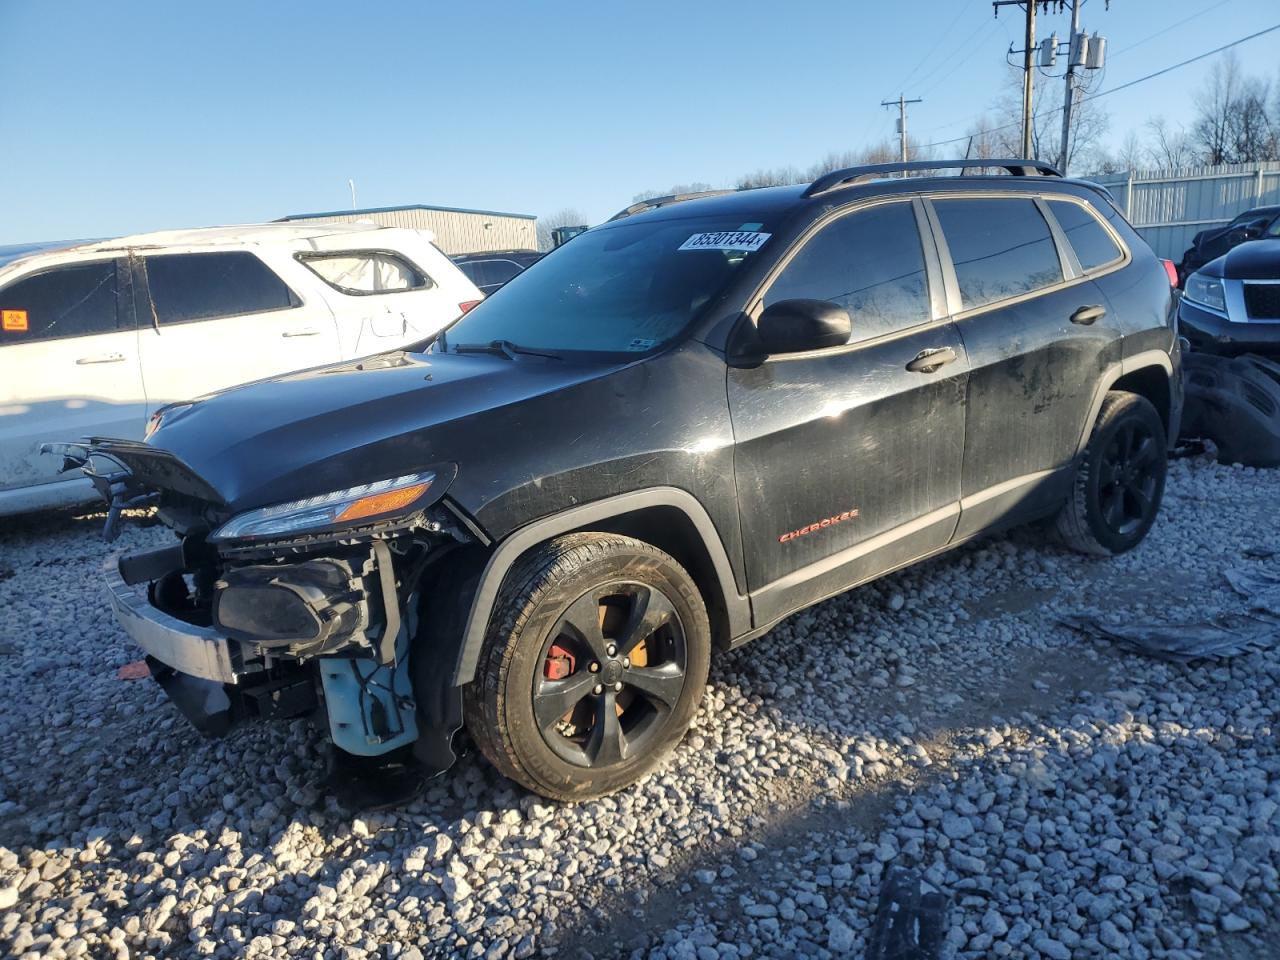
(1168, 207)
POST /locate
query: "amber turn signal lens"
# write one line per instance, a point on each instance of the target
(381, 503)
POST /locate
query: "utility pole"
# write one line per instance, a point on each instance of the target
(901, 103)
(1069, 98)
(1028, 65)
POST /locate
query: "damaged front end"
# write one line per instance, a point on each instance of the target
(305, 607)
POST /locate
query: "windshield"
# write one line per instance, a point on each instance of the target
(626, 288)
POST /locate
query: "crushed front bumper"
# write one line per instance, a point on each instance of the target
(213, 680)
(189, 649)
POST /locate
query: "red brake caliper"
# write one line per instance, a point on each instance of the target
(559, 663)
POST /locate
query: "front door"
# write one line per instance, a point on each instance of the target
(68, 365)
(848, 459)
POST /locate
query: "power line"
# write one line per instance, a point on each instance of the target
(1124, 86)
(961, 9)
(985, 26)
(1172, 26)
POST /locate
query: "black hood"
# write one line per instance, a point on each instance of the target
(1255, 260)
(333, 427)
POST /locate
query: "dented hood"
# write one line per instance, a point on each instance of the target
(334, 427)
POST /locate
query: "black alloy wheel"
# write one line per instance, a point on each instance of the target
(613, 672)
(1130, 473)
(593, 666)
(1119, 478)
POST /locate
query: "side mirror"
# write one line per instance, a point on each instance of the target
(793, 326)
(1252, 231)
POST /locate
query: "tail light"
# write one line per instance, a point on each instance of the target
(1171, 271)
(466, 306)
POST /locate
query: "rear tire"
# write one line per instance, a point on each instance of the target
(1119, 480)
(593, 667)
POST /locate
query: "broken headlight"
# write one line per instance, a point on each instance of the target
(355, 506)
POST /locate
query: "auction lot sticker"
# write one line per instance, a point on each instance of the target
(14, 321)
(726, 240)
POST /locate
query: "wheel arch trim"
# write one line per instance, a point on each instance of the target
(508, 551)
(1146, 360)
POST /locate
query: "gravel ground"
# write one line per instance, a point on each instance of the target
(1070, 799)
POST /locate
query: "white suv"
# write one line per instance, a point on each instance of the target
(94, 337)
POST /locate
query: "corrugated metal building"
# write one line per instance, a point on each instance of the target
(1168, 207)
(457, 231)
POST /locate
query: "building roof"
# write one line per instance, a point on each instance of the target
(409, 206)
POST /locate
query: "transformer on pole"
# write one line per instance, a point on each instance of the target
(901, 104)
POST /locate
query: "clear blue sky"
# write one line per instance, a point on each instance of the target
(119, 117)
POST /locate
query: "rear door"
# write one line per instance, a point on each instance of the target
(387, 288)
(1038, 333)
(69, 364)
(212, 319)
(847, 460)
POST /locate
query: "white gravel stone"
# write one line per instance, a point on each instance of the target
(1063, 795)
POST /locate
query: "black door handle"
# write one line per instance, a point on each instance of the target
(1087, 315)
(927, 361)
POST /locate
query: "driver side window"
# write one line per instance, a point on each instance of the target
(871, 263)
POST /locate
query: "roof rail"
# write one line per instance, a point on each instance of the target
(654, 202)
(874, 171)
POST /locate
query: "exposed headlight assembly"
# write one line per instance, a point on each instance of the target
(353, 507)
(1206, 292)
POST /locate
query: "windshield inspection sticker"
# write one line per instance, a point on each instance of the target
(640, 344)
(726, 240)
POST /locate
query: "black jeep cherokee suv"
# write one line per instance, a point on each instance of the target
(657, 442)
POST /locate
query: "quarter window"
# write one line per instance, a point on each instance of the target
(1090, 240)
(871, 263)
(78, 300)
(201, 286)
(1001, 248)
(367, 271)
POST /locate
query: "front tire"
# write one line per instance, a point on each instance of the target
(593, 666)
(1119, 480)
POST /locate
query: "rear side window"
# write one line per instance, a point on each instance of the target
(1090, 240)
(201, 286)
(871, 263)
(362, 272)
(498, 271)
(1001, 248)
(78, 300)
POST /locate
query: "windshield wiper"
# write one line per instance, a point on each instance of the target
(502, 347)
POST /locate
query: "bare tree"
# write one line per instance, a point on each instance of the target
(1089, 121)
(1234, 122)
(984, 141)
(696, 187)
(1212, 128)
(1254, 134)
(567, 217)
(770, 178)
(1134, 154)
(1171, 146)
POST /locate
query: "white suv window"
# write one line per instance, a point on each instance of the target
(201, 286)
(362, 272)
(77, 300)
